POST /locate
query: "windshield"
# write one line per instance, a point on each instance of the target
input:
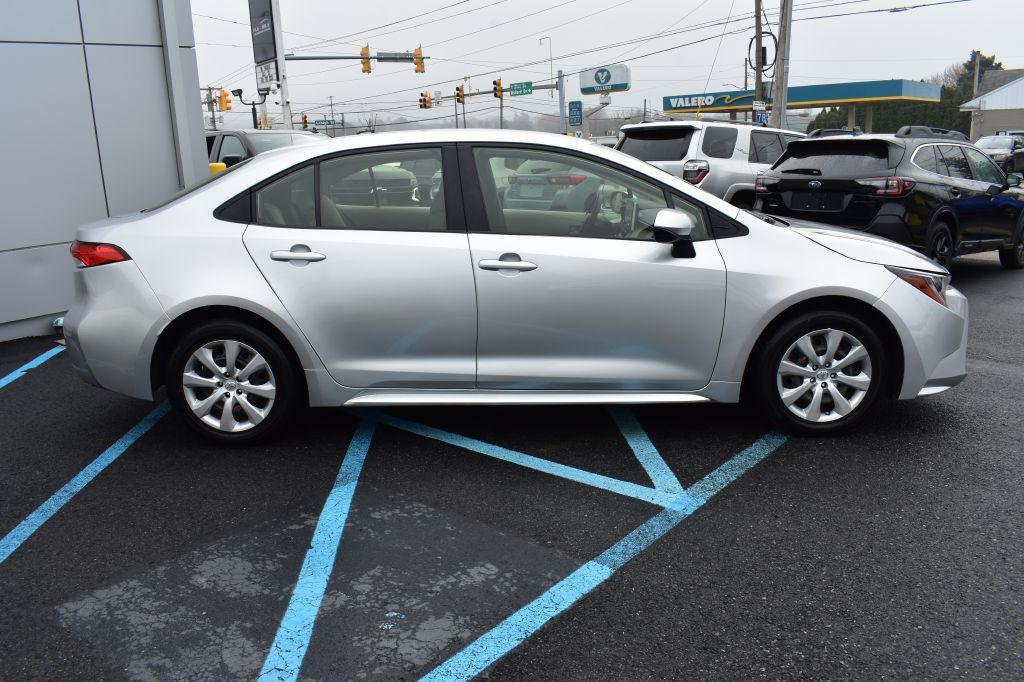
(844, 159)
(657, 144)
(995, 142)
(264, 142)
(211, 178)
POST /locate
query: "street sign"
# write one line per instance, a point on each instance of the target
(612, 78)
(324, 122)
(759, 105)
(576, 112)
(761, 117)
(524, 88)
(266, 76)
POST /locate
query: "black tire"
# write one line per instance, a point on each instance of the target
(767, 382)
(941, 246)
(282, 372)
(1013, 257)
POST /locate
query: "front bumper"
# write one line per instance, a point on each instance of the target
(934, 338)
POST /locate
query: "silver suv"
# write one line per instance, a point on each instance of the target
(721, 157)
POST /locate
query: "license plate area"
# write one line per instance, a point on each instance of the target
(531, 191)
(816, 201)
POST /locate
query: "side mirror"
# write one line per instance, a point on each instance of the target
(230, 159)
(217, 167)
(1013, 180)
(675, 228)
(995, 190)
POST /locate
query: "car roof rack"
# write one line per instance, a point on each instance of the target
(830, 132)
(928, 131)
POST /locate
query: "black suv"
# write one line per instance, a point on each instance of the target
(924, 187)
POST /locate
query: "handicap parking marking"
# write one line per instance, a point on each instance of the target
(31, 364)
(24, 530)
(291, 643)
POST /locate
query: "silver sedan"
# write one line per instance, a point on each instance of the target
(307, 276)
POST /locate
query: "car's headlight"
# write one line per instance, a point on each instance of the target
(931, 284)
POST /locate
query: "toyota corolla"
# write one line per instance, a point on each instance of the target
(292, 279)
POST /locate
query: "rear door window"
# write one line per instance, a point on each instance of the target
(719, 141)
(288, 201)
(956, 162)
(924, 158)
(765, 147)
(842, 159)
(669, 143)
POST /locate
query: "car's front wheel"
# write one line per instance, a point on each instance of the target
(233, 382)
(1013, 257)
(821, 372)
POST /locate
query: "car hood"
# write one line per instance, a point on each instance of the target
(864, 247)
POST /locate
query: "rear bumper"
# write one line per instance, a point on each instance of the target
(934, 338)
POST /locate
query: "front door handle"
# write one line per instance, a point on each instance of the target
(304, 255)
(518, 265)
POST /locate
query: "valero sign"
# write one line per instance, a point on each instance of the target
(604, 79)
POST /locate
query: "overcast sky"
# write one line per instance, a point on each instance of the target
(481, 36)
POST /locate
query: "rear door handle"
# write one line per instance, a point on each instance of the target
(519, 265)
(953, 192)
(307, 256)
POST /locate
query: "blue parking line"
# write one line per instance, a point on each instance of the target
(31, 364)
(651, 495)
(46, 510)
(292, 639)
(514, 630)
(650, 459)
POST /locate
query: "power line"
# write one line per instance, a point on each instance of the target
(374, 28)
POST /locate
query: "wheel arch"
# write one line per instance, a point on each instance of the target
(188, 319)
(864, 311)
(947, 216)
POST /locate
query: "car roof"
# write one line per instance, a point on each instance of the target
(704, 124)
(263, 131)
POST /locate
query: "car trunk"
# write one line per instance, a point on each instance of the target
(824, 180)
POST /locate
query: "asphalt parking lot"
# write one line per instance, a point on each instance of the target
(659, 542)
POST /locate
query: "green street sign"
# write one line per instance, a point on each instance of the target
(525, 88)
(324, 122)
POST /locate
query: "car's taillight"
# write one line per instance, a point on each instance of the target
(89, 254)
(888, 187)
(764, 183)
(695, 171)
(572, 179)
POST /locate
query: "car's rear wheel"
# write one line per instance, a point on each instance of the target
(231, 381)
(1013, 257)
(821, 372)
(941, 246)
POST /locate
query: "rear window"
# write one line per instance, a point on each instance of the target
(845, 158)
(657, 144)
(719, 142)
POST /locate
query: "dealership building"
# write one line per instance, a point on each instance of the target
(117, 83)
(999, 105)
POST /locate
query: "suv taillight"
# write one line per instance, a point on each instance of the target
(695, 171)
(888, 187)
(89, 254)
(764, 183)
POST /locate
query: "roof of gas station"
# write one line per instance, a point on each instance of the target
(807, 96)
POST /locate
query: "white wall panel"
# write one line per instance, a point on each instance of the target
(42, 20)
(132, 22)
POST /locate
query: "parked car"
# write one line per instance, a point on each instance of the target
(232, 146)
(720, 157)
(604, 140)
(298, 299)
(925, 188)
(1006, 150)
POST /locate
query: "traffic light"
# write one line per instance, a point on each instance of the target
(223, 100)
(364, 53)
(305, 120)
(460, 94)
(417, 59)
(497, 89)
(425, 100)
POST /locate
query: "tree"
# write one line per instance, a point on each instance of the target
(957, 81)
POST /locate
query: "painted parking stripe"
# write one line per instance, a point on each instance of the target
(292, 639)
(46, 510)
(650, 459)
(514, 630)
(31, 364)
(651, 495)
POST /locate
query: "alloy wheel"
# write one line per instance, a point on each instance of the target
(824, 375)
(942, 250)
(228, 385)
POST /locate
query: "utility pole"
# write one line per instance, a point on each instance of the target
(780, 86)
(758, 55)
(501, 113)
(563, 124)
(209, 105)
(330, 98)
(976, 80)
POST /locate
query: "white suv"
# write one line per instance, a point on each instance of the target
(721, 157)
